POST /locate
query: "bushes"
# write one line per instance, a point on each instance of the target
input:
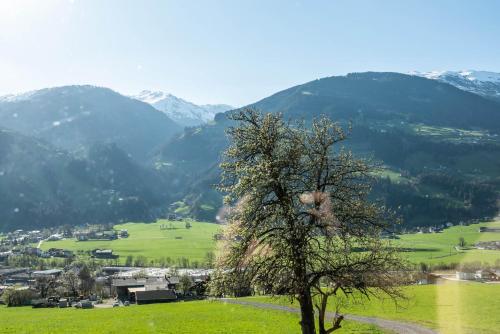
(13, 297)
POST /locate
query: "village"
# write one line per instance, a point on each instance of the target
(20, 242)
(81, 286)
(60, 278)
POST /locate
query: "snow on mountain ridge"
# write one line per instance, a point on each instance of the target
(483, 83)
(180, 110)
(471, 75)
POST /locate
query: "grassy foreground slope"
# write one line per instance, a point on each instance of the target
(152, 242)
(451, 308)
(189, 317)
(440, 247)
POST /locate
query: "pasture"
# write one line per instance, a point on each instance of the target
(440, 247)
(451, 308)
(183, 317)
(150, 241)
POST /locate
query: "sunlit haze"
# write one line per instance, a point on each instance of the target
(235, 52)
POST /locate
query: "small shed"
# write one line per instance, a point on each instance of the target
(155, 296)
(86, 304)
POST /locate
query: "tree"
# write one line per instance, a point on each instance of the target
(140, 261)
(45, 285)
(70, 282)
(87, 281)
(300, 217)
(13, 297)
(461, 242)
(129, 261)
(209, 259)
(185, 283)
(188, 225)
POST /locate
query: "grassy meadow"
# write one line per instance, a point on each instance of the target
(451, 308)
(152, 242)
(188, 317)
(440, 247)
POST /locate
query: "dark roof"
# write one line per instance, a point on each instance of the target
(153, 295)
(135, 281)
(12, 271)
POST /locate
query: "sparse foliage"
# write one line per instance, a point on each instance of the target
(185, 283)
(87, 281)
(71, 282)
(45, 285)
(300, 216)
(13, 297)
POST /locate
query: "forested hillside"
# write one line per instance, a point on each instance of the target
(439, 145)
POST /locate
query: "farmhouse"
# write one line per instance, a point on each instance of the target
(489, 229)
(55, 237)
(53, 273)
(93, 235)
(123, 285)
(7, 273)
(486, 275)
(116, 270)
(103, 254)
(19, 279)
(491, 245)
(425, 278)
(464, 275)
(33, 251)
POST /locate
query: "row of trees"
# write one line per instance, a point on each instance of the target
(78, 280)
(164, 262)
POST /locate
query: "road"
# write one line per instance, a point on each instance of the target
(390, 325)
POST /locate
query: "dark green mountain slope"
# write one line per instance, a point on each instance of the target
(439, 144)
(44, 186)
(386, 96)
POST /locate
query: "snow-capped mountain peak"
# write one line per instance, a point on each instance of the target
(183, 112)
(479, 82)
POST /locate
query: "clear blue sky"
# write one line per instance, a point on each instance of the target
(237, 51)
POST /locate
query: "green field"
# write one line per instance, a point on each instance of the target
(149, 241)
(152, 242)
(440, 247)
(451, 308)
(187, 317)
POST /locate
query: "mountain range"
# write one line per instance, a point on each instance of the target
(181, 111)
(439, 144)
(76, 117)
(85, 154)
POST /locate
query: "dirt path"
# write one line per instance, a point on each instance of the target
(390, 325)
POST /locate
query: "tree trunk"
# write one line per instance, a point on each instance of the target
(321, 313)
(307, 313)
